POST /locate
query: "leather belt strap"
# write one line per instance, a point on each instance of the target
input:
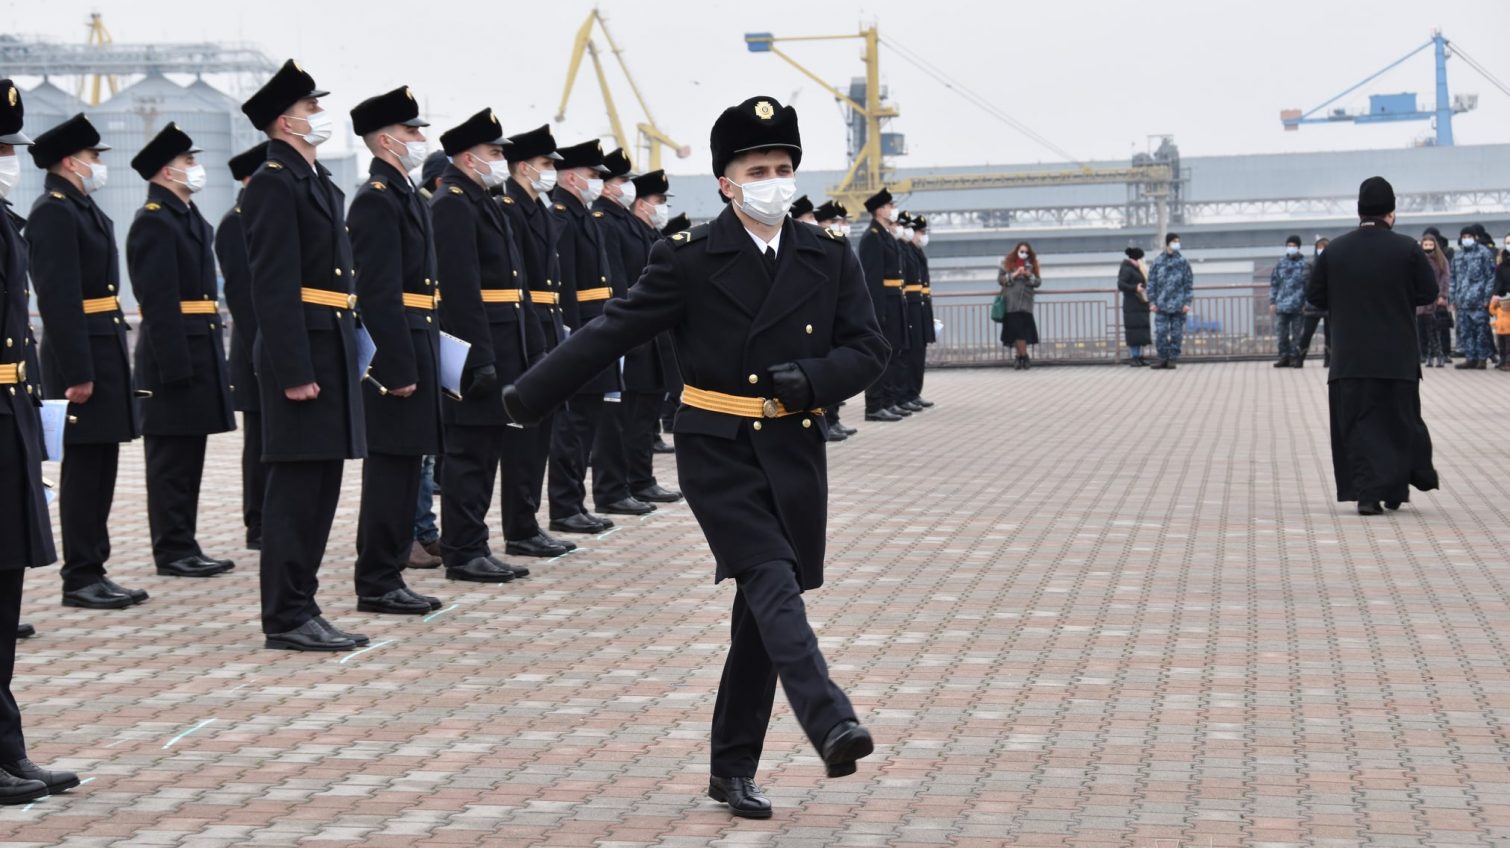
(743, 407)
(326, 297)
(501, 296)
(12, 373)
(198, 307)
(928, 291)
(912, 289)
(94, 306)
(602, 293)
(420, 301)
(545, 298)
(892, 284)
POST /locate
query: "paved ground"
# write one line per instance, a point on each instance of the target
(1078, 606)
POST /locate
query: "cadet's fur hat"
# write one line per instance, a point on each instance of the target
(920, 222)
(759, 123)
(1376, 198)
(481, 128)
(655, 182)
(11, 112)
(66, 139)
(801, 206)
(287, 87)
(829, 211)
(588, 154)
(677, 224)
(245, 163)
(618, 164)
(528, 145)
(167, 145)
(396, 107)
(1134, 252)
(877, 200)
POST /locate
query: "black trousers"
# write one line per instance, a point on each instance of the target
(300, 506)
(917, 356)
(525, 452)
(770, 639)
(88, 489)
(610, 461)
(253, 475)
(175, 466)
(1308, 332)
(670, 403)
(473, 455)
(571, 442)
(639, 413)
(385, 525)
(12, 743)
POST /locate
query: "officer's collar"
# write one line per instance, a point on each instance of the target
(61, 184)
(285, 154)
(728, 234)
(382, 169)
(166, 197)
(453, 176)
(565, 197)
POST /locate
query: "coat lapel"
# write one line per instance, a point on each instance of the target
(799, 275)
(742, 282)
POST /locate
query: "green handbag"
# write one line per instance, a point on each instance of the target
(998, 309)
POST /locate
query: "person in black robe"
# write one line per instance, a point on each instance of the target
(1371, 280)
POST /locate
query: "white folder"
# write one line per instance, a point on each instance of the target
(54, 419)
(453, 358)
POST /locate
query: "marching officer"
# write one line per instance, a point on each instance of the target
(771, 323)
(230, 250)
(920, 356)
(24, 523)
(532, 161)
(312, 418)
(481, 269)
(394, 250)
(881, 259)
(180, 350)
(76, 269)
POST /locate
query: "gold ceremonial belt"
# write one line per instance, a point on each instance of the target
(198, 307)
(420, 301)
(912, 289)
(892, 284)
(545, 298)
(326, 297)
(12, 373)
(603, 293)
(94, 306)
(743, 407)
(928, 290)
(501, 296)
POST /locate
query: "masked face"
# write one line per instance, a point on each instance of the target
(413, 154)
(627, 194)
(1174, 246)
(592, 191)
(194, 178)
(10, 174)
(922, 239)
(321, 127)
(544, 179)
(766, 200)
(1292, 250)
(1468, 241)
(660, 215)
(96, 177)
(492, 172)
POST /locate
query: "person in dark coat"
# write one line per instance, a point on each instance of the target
(1132, 282)
(394, 252)
(1313, 318)
(76, 270)
(306, 355)
(771, 322)
(25, 528)
(920, 356)
(482, 303)
(180, 351)
(230, 251)
(1370, 281)
(912, 306)
(881, 260)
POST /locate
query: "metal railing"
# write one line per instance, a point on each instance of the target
(1084, 326)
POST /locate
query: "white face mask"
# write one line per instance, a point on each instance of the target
(847, 229)
(194, 179)
(592, 191)
(767, 200)
(660, 215)
(627, 195)
(321, 126)
(1469, 241)
(497, 171)
(1292, 250)
(98, 176)
(10, 174)
(922, 239)
(905, 234)
(414, 153)
(1175, 246)
(544, 180)
(1023, 255)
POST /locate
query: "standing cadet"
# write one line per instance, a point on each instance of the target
(230, 250)
(305, 353)
(532, 159)
(771, 323)
(76, 270)
(24, 522)
(802, 210)
(833, 216)
(480, 269)
(180, 351)
(1171, 288)
(678, 224)
(394, 253)
(920, 356)
(912, 304)
(881, 259)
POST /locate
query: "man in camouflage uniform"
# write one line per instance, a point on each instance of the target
(1287, 294)
(1171, 287)
(1472, 286)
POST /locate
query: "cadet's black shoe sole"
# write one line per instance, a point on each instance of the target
(26, 797)
(721, 797)
(282, 645)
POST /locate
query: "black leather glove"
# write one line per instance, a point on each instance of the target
(791, 387)
(513, 406)
(484, 380)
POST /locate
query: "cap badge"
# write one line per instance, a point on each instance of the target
(407, 93)
(764, 110)
(492, 117)
(12, 95)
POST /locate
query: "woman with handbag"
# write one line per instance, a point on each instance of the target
(1018, 276)
(1132, 282)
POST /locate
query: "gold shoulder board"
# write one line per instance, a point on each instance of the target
(378, 185)
(455, 190)
(153, 207)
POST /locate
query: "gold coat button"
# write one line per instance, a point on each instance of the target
(109, 287)
(809, 329)
(427, 319)
(756, 425)
(516, 273)
(806, 423)
(338, 313)
(10, 342)
(338, 272)
(427, 281)
(754, 379)
(116, 320)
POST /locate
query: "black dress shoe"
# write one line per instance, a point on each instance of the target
(538, 546)
(96, 596)
(1284, 362)
(14, 790)
(517, 570)
(189, 567)
(309, 636)
(742, 795)
(1391, 505)
(136, 595)
(359, 639)
(55, 781)
(882, 415)
(397, 602)
(657, 494)
(25, 631)
(222, 564)
(628, 506)
(579, 523)
(570, 546)
(898, 411)
(1369, 508)
(836, 435)
(844, 744)
(660, 446)
(432, 602)
(848, 431)
(911, 406)
(922, 402)
(479, 570)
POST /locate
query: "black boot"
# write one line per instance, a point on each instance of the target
(742, 795)
(1284, 362)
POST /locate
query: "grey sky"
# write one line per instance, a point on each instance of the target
(1096, 77)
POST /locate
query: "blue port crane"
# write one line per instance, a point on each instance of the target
(1396, 107)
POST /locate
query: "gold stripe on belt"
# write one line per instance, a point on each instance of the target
(94, 306)
(928, 291)
(501, 296)
(892, 284)
(419, 301)
(12, 373)
(545, 298)
(744, 407)
(602, 293)
(198, 307)
(326, 297)
(912, 289)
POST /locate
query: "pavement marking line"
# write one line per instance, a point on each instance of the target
(609, 533)
(174, 740)
(373, 647)
(441, 612)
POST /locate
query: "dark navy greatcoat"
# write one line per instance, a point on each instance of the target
(25, 532)
(230, 250)
(584, 265)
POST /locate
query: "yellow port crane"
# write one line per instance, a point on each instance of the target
(98, 37)
(650, 138)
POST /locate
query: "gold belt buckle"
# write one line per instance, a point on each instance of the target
(768, 408)
(20, 372)
(351, 301)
